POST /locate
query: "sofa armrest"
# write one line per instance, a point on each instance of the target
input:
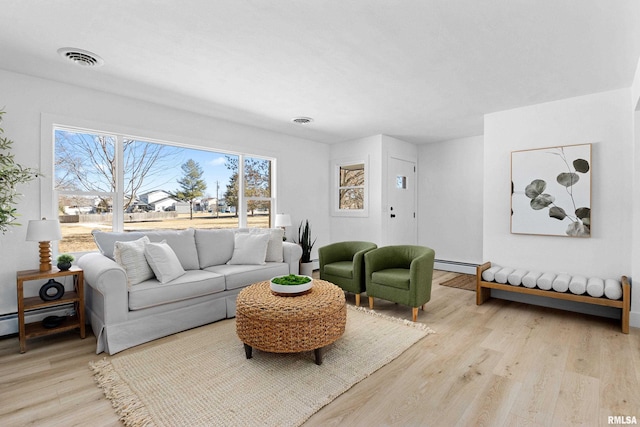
(292, 252)
(106, 286)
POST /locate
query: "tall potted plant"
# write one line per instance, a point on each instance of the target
(304, 239)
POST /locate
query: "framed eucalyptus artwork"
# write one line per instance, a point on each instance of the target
(551, 191)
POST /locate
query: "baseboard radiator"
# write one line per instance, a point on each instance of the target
(455, 266)
(9, 322)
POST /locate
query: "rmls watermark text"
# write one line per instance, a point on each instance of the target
(622, 419)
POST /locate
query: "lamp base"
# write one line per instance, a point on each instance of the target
(45, 256)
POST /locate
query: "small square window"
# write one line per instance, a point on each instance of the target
(350, 189)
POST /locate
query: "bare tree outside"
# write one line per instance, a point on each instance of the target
(86, 162)
(351, 187)
(231, 194)
(257, 182)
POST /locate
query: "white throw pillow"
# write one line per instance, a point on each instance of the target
(130, 255)
(249, 249)
(163, 261)
(215, 247)
(106, 240)
(274, 248)
(182, 242)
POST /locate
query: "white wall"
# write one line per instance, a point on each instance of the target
(375, 150)
(451, 199)
(635, 200)
(603, 119)
(302, 174)
(367, 228)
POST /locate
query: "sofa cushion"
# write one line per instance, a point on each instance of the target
(274, 247)
(215, 247)
(340, 269)
(105, 240)
(193, 283)
(249, 249)
(239, 276)
(130, 255)
(182, 242)
(163, 261)
(394, 277)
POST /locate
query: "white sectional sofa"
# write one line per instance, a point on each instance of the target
(136, 291)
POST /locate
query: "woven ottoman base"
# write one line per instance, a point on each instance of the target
(280, 324)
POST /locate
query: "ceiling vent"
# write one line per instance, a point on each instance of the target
(302, 120)
(81, 57)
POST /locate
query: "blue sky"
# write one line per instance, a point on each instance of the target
(163, 175)
(212, 163)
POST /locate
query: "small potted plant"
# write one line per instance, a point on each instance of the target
(64, 262)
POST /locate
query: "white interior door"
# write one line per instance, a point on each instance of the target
(401, 215)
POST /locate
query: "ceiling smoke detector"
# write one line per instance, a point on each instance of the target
(302, 120)
(81, 57)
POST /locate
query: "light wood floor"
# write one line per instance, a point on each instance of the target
(499, 364)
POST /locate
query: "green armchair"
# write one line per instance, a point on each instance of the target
(401, 274)
(342, 264)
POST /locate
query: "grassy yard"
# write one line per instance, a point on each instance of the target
(76, 237)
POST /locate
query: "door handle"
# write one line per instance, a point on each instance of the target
(393, 215)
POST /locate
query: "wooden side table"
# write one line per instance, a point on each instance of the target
(76, 296)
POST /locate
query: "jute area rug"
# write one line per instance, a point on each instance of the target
(463, 281)
(202, 378)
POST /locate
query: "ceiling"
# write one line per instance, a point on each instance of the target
(418, 70)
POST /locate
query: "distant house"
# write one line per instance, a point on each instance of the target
(209, 204)
(157, 198)
(164, 204)
(77, 210)
(80, 205)
(160, 200)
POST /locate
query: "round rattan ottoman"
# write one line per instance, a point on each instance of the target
(290, 324)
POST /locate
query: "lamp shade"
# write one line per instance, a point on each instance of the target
(43, 230)
(283, 220)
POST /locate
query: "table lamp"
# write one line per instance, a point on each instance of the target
(283, 220)
(44, 231)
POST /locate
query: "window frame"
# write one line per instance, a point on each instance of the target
(336, 187)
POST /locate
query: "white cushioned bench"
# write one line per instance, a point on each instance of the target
(565, 288)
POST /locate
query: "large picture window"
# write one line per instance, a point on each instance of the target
(114, 182)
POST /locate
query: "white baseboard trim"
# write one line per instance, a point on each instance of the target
(455, 266)
(634, 319)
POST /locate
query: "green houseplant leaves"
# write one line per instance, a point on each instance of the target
(304, 239)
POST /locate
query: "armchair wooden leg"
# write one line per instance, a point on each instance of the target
(371, 303)
(414, 313)
(357, 300)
